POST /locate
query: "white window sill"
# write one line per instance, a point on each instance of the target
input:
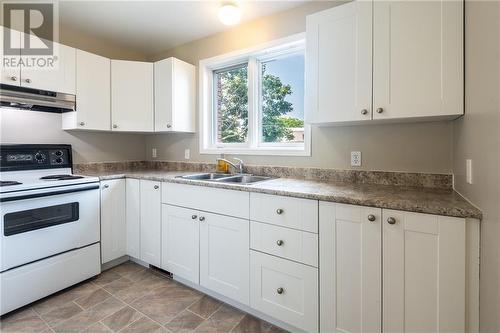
(278, 151)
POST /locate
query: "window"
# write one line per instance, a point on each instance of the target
(252, 102)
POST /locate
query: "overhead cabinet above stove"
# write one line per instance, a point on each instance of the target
(385, 61)
(61, 78)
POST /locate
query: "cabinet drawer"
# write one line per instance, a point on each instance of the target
(288, 212)
(283, 242)
(285, 290)
(208, 199)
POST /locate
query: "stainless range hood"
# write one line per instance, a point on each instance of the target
(35, 99)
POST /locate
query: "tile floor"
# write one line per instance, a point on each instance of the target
(131, 299)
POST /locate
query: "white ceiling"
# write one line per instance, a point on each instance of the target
(151, 27)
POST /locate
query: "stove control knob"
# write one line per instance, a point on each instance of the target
(39, 157)
(58, 153)
(59, 160)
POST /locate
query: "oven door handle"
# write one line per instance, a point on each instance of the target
(51, 193)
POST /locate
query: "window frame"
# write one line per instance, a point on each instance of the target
(254, 144)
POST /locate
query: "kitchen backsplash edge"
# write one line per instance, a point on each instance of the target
(410, 179)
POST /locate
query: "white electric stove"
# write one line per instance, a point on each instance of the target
(49, 223)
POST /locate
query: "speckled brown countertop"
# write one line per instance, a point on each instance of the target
(422, 200)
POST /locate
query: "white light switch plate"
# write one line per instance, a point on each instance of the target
(154, 153)
(468, 171)
(356, 158)
(187, 154)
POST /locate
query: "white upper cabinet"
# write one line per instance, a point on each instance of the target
(9, 75)
(424, 273)
(131, 96)
(60, 78)
(418, 59)
(174, 101)
(93, 94)
(417, 62)
(339, 64)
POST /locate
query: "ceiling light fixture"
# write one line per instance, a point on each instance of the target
(230, 14)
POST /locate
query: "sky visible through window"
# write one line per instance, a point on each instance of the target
(291, 71)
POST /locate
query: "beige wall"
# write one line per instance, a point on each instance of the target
(424, 147)
(477, 137)
(17, 126)
(106, 48)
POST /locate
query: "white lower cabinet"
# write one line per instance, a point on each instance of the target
(207, 249)
(391, 271)
(143, 209)
(150, 218)
(423, 272)
(113, 220)
(181, 242)
(224, 257)
(133, 210)
(285, 290)
(350, 268)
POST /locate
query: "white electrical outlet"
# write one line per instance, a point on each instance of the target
(187, 154)
(154, 153)
(468, 171)
(356, 158)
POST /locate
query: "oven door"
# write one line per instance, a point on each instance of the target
(37, 224)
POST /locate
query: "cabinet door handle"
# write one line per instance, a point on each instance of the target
(82, 123)
(13, 78)
(169, 126)
(202, 218)
(279, 211)
(391, 220)
(156, 187)
(115, 126)
(105, 186)
(371, 218)
(194, 217)
(280, 242)
(380, 110)
(27, 80)
(280, 291)
(364, 112)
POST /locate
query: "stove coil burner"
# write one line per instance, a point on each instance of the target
(61, 177)
(9, 183)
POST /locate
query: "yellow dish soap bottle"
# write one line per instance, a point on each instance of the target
(222, 165)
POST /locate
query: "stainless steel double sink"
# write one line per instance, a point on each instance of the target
(244, 179)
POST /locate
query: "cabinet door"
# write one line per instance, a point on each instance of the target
(131, 96)
(350, 268)
(181, 242)
(339, 64)
(224, 255)
(93, 93)
(150, 241)
(60, 78)
(11, 74)
(113, 220)
(424, 273)
(285, 290)
(133, 217)
(175, 92)
(418, 59)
